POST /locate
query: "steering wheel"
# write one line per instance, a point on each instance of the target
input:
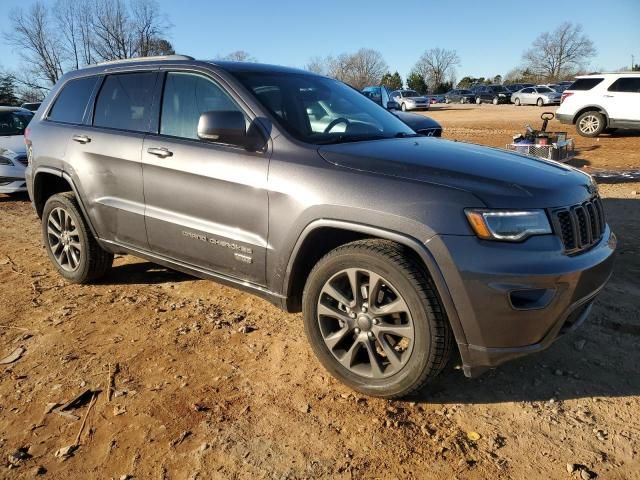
(336, 122)
(547, 116)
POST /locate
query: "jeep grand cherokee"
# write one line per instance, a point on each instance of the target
(396, 247)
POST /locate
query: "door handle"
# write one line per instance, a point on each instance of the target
(160, 152)
(81, 139)
(608, 96)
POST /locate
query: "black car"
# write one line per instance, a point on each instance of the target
(459, 96)
(492, 94)
(419, 123)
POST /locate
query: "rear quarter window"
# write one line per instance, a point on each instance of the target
(71, 103)
(585, 83)
(626, 84)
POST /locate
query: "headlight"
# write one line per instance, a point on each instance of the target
(5, 161)
(509, 225)
(501, 94)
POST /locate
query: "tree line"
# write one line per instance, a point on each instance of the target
(70, 34)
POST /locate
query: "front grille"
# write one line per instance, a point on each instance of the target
(580, 226)
(430, 132)
(22, 159)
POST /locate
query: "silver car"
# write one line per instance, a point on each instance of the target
(536, 96)
(13, 154)
(410, 100)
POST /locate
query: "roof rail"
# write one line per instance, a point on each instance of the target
(145, 59)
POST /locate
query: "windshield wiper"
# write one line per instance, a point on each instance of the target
(351, 138)
(405, 135)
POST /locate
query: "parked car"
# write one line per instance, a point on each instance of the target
(459, 95)
(410, 100)
(492, 94)
(13, 153)
(539, 96)
(514, 87)
(419, 123)
(397, 248)
(31, 106)
(597, 102)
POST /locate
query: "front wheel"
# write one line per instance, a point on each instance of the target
(591, 124)
(69, 242)
(495, 101)
(517, 102)
(374, 320)
(478, 101)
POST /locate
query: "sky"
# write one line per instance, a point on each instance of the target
(489, 36)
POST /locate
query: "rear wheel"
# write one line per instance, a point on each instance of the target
(403, 107)
(517, 102)
(591, 124)
(374, 320)
(461, 99)
(540, 102)
(478, 101)
(69, 242)
(495, 101)
(446, 100)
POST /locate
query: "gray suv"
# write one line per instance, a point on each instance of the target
(395, 247)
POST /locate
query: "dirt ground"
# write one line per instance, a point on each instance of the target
(214, 383)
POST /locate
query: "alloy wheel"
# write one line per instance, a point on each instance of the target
(589, 124)
(365, 323)
(64, 239)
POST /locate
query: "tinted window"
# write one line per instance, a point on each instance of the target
(72, 101)
(527, 90)
(585, 83)
(186, 96)
(124, 102)
(626, 84)
(14, 123)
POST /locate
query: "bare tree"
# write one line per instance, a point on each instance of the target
(148, 25)
(34, 35)
(365, 67)
(319, 65)
(114, 37)
(239, 56)
(559, 53)
(437, 66)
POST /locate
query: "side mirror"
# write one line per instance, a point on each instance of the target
(223, 127)
(392, 105)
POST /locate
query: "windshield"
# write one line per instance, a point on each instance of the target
(14, 123)
(499, 88)
(410, 93)
(320, 110)
(545, 90)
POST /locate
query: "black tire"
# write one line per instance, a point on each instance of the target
(517, 102)
(92, 261)
(400, 270)
(591, 124)
(462, 100)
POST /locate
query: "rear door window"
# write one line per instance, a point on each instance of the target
(124, 101)
(626, 84)
(71, 103)
(585, 83)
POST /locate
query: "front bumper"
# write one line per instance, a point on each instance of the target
(487, 282)
(416, 106)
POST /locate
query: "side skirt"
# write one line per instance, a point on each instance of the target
(275, 298)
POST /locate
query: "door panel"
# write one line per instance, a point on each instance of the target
(108, 172)
(207, 206)
(206, 203)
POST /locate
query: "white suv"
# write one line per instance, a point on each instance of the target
(602, 101)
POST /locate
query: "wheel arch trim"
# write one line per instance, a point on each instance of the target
(419, 248)
(65, 176)
(586, 108)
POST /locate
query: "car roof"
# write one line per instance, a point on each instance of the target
(609, 74)
(256, 67)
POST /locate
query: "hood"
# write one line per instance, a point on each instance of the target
(416, 121)
(12, 146)
(499, 178)
(417, 99)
